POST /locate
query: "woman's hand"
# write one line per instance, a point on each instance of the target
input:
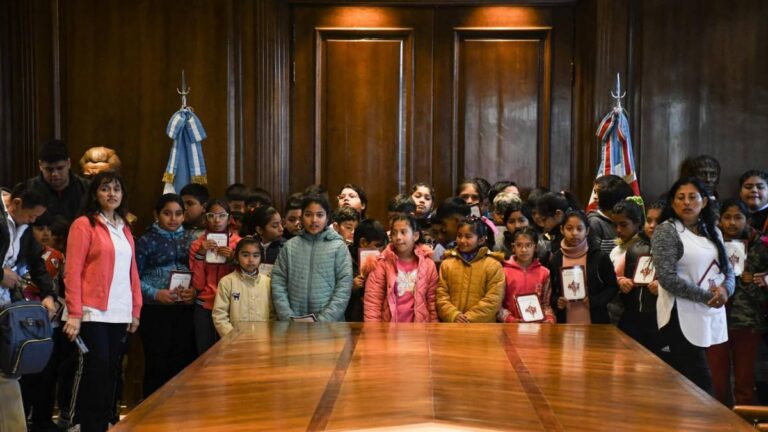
(134, 325)
(72, 328)
(10, 278)
(165, 296)
(653, 287)
(759, 279)
(719, 297)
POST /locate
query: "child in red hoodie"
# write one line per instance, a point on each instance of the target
(525, 275)
(209, 262)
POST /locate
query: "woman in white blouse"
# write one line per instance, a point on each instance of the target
(103, 294)
(695, 280)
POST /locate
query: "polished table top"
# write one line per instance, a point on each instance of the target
(354, 376)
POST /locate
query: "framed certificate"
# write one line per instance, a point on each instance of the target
(365, 254)
(645, 272)
(179, 280)
(221, 239)
(530, 308)
(574, 283)
(712, 278)
(736, 251)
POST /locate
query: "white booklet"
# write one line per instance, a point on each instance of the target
(221, 239)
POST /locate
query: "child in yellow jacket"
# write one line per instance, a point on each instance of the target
(243, 295)
(471, 283)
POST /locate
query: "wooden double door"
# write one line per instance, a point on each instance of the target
(387, 96)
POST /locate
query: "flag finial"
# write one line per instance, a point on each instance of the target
(184, 90)
(618, 95)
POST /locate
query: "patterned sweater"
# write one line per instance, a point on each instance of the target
(158, 252)
(745, 309)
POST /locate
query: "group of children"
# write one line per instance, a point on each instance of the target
(514, 261)
(481, 256)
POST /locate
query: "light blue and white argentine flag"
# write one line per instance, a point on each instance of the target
(186, 163)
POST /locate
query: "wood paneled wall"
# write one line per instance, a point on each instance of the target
(105, 73)
(703, 72)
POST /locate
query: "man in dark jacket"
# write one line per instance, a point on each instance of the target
(62, 189)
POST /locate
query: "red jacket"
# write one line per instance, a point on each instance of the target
(205, 276)
(380, 294)
(90, 266)
(520, 281)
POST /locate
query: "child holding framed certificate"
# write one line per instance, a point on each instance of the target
(528, 290)
(162, 259)
(747, 252)
(636, 275)
(583, 279)
(210, 259)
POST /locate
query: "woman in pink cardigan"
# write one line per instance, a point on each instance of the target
(402, 286)
(103, 294)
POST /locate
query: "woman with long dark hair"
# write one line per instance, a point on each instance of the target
(695, 280)
(103, 293)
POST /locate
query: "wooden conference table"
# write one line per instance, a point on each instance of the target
(429, 377)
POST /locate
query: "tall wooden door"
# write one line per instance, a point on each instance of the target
(503, 95)
(386, 96)
(362, 100)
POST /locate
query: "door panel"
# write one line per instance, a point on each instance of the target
(354, 71)
(361, 112)
(500, 83)
(496, 71)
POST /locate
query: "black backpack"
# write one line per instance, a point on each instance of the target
(25, 338)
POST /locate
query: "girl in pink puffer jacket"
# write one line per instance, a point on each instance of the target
(402, 286)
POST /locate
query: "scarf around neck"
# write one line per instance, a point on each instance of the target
(575, 252)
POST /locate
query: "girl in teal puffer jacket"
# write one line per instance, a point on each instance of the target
(313, 273)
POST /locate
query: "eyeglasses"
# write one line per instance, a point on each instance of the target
(219, 216)
(524, 245)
